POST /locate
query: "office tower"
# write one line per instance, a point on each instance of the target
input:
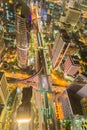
(62, 48)
(72, 16)
(8, 10)
(55, 50)
(66, 106)
(2, 47)
(80, 79)
(79, 85)
(83, 91)
(71, 108)
(59, 50)
(22, 40)
(70, 104)
(83, 5)
(4, 93)
(71, 66)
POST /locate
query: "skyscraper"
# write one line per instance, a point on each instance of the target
(80, 79)
(72, 16)
(69, 106)
(71, 66)
(4, 93)
(59, 50)
(83, 91)
(83, 5)
(22, 40)
(2, 47)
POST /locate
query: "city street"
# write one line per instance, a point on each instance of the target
(43, 64)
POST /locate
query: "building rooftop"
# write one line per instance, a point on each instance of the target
(74, 60)
(73, 16)
(75, 102)
(74, 88)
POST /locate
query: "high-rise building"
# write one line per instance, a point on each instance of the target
(70, 104)
(83, 91)
(83, 5)
(22, 41)
(57, 47)
(71, 108)
(62, 48)
(80, 79)
(59, 50)
(2, 47)
(79, 86)
(4, 93)
(71, 66)
(72, 16)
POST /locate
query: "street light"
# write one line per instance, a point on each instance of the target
(23, 114)
(24, 110)
(23, 120)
